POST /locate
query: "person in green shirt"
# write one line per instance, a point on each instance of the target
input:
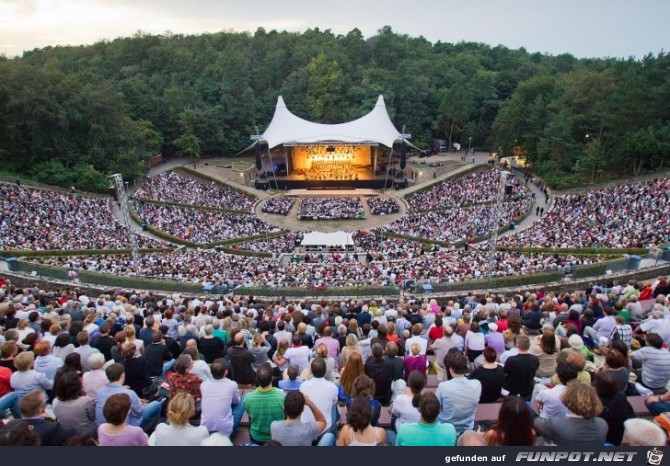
(220, 333)
(264, 405)
(427, 432)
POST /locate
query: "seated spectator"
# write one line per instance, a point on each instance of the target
(415, 361)
(405, 407)
(211, 347)
(260, 349)
(295, 431)
(546, 350)
(459, 396)
(72, 408)
(349, 374)
(264, 406)
(322, 353)
(616, 365)
(616, 408)
(582, 427)
(32, 407)
(470, 438)
(495, 339)
(182, 380)
(428, 431)
(18, 433)
(549, 400)
(241, 360)
(222, 405)
(514, 427)
(292, 382)
(382, 373)
(137, 374)
(359, 431)
(475, 342)
(84, 349)
(520, 370)
(364, 387)
(643, 433)
(45, 362)
(491, 375)
(142, 414)
(178, 432)
(158, 356)
(117, 432)
(26, 379)
(96, 377)
(652, 363)
(322, 393)
(63, 346)
(8, 350)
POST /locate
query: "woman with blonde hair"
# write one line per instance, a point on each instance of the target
(353, 328)
(278, 358)
(350, 348)
(322, 352)
(129, 331)
(179, 433)
(26, 378)
(414, 362)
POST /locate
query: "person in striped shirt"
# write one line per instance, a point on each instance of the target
(653, 363)
(264, 405)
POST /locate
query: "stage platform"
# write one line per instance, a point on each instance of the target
(331, 192)
(285, 184)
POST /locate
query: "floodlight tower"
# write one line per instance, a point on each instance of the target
(122, 194)
(495, 223)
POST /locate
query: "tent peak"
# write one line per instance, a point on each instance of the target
(380, 102)
(280, 102)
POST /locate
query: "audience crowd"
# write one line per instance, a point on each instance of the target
(383, 206)
(45, 220)
(281, 205)
(460, 224)
(480, 186)
(173, 186)
(198, 225)
(330, 208)
(623, 216)
(135, 369)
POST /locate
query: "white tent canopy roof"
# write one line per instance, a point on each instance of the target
(374, 128)
(318, 238)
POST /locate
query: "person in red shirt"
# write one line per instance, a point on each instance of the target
(436, 331)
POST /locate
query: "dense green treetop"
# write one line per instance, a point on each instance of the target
(76, 114)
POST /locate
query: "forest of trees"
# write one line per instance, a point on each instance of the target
(76, 114)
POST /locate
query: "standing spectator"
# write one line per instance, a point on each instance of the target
(459, 396)
(241, 360)
(222, 405)
(117, 432)
(264, 406)
(428, 431)
(331, 343)
(179, 432)
(294, 431)
(520, 370)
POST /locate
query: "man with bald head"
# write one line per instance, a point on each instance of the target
(240, 362)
